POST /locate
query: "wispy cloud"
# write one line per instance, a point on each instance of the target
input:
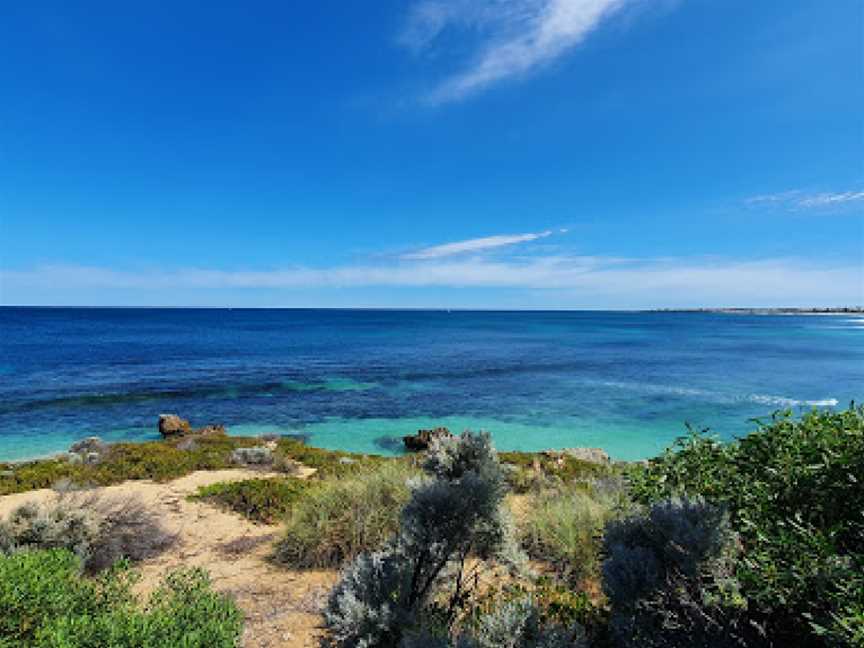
(823, 199)
(798, 199)
(773, 199)
(516, 36)
(476, 245)
(571, 279)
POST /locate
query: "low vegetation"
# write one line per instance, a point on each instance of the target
(533, 471)
(46, 603)
(156, 460)
(260, 500)
(793, 491)
(754, 544)
(99, 531)
(563, 526)
(416, 590)
(328, 463)
(339, 518)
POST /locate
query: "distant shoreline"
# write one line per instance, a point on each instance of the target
(830, 310)
(844, 310)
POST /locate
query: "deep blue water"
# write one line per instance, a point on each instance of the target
(626, 382)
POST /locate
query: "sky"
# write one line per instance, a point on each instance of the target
(432, 153)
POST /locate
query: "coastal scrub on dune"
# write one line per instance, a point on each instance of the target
(756, 543)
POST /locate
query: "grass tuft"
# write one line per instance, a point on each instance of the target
(341, 518)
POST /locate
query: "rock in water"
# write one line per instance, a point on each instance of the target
(423, 438)
(171, 425)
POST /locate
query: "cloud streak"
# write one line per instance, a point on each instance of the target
(567, 279)
(476, 245)
(516, 37)
(797, 199)
(825, 199)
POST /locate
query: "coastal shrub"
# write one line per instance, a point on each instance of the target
(184, 611)
(793, 490)
(518, 623)
(33, 526)
(99, 531)
(669, 576)
(37, 587)
(127, 530)
(555, 605)
(328, 463)
(424, 577)
(535, 471)
(156, 460)
(338, 519)
(47, 603)
(260, 500)
(562, 527)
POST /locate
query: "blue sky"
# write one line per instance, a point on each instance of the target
(433, 153)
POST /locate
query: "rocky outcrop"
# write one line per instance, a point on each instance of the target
(210, 430)
(171, 425)
(591, 455)
(423, 439)
(254, 456)
(88, 450)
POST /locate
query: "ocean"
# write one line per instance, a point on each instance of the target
(628, 382)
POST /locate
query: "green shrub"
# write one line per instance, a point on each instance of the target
(40, 586)
(793, 490)
(182, 612)
(260, 500)
(46, 603)
(337, 519)
(563, 527)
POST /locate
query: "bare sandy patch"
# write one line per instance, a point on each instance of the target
(282, 607)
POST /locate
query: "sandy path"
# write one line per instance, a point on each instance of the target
(280, 605)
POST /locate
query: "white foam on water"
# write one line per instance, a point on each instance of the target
(764, 399)
(659, 389)
(717, 397)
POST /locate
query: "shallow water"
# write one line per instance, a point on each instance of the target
(626, 382)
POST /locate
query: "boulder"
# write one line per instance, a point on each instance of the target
(254, 456)
(171, 425)
(89, 450)
(423, 439)
(85, 446)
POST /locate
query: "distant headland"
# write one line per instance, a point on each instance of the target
(838, 310)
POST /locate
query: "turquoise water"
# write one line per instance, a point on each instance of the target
(359, 380)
